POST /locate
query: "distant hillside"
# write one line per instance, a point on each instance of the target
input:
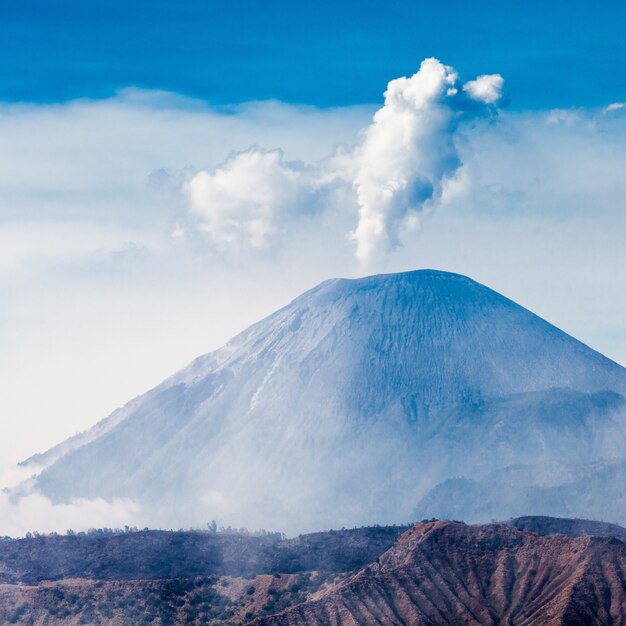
(566, 526)
(555, 489)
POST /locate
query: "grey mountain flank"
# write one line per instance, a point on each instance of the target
(377, 400)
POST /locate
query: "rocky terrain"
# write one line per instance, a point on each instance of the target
(435, 572)
(451, 573)
(197, 601)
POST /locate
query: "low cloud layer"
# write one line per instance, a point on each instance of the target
(34, 512)
(23, 510)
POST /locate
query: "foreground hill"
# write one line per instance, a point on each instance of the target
(451, 573)
(433, 573)
(355, 404)
(156, 554)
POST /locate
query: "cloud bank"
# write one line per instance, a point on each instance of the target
(35, 512)
(23, 510)
(248, 200)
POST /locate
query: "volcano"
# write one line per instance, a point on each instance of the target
(367, 401)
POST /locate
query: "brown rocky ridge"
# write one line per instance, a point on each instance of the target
(452, 573)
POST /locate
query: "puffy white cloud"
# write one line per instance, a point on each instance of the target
(248, 200)
(409, 150)
(615, 106)
(487, 88)
(256, 198)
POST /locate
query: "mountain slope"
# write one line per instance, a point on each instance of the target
(567, 526)
(450, 573)
(571, 490)
(350, 404)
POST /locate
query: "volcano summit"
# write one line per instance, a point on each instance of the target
(375, 400)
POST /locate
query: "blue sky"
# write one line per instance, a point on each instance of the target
(553, 54)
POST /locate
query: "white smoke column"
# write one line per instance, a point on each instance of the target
(409, 150)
